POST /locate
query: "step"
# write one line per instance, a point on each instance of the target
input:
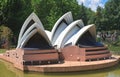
(98, 56)
(39, 57)
(39, 51)
(97, 52)
(95, 49)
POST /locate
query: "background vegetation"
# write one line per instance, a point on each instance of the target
(14, 12)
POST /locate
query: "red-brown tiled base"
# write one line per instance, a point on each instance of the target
(68, 66)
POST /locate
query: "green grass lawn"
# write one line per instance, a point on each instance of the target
(2, 50)
(114, 49)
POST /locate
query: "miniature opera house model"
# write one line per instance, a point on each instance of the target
(68, 41)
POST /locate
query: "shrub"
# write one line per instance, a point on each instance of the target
(6, 35)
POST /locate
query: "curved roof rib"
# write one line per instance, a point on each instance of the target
(27, 38)
(35, 42)
(74, 39)
(34, 26)
(68, 32)
(60, 25)
(33, 18)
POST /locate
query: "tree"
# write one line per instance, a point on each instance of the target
(112, 13)
(53, 16)
(98, 17)
(3, 10)
(83, 14)
(55, 9)
(90, 16)
(14, 13)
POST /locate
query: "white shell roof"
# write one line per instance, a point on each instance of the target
(59, 27)
(78, 35)
(33, 17)
(49, 34)
(36, 27)
(64, 32)
(68, 32)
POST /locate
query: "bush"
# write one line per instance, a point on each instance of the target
(6, 35)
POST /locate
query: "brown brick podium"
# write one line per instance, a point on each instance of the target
(75, 53)
(33, 57)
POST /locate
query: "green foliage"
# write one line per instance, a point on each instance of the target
(114, 49)
(14, 12)
(5, 33)
(108, 18)
(51, 10)
(2, 50)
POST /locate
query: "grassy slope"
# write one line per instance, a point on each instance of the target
(114, 49)
(2, 50)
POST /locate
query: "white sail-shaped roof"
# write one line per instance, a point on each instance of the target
(68, 32)
(29, 29)
(31, 34)
(33, 18)
(60, 25)
(77, 36)
(34, 27)
(64, 33)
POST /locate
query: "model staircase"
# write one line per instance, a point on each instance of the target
(97, 53)
(40, 57)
